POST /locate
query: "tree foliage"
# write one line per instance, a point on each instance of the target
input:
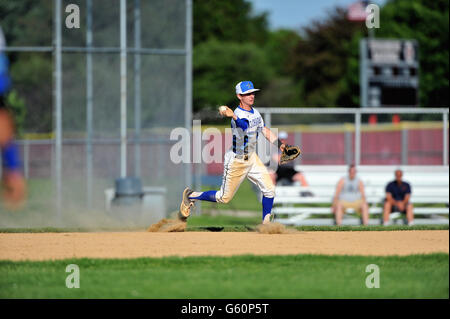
(230, 21)
(318, 66)
(219, 66)
(428, 23)
(320, 59)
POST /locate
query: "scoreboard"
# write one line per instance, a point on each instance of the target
(389, 73)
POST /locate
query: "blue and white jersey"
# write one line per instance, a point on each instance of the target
(245, 130)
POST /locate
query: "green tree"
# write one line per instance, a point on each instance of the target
(29, 23)
(231, 21)
(282, 90)
(349, 85)
(229, 46)
(32, 80)
(428, 23)
(320, 59)
(280, 48)
(219, 66)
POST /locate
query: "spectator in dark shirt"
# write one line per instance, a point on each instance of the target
(286, 173)
(398, 194)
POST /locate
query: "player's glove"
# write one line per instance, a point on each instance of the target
(290, 152)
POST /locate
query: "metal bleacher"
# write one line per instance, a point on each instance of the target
(429, 185)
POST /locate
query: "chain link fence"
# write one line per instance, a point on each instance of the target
(72, 141)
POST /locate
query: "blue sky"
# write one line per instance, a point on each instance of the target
(294, 14)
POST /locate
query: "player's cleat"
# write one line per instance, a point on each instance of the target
(186, 203)
(267, 219)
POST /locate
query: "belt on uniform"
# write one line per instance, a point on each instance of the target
(244, 157)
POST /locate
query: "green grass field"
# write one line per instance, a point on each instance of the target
(293, 276)
(300, 276)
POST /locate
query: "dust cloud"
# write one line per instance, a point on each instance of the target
(275, 228)
(168, 225)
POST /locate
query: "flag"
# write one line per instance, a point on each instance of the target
(357, 12)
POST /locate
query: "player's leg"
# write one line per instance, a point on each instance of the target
(273, 176)
(339, 212)
(259, 175)
(187, 202)
(14, 190)
(410, 214)
(6, 126)
(209, 196)
(364, 211)
(387, 209)
(13, 182)
(234, 173)
(299, 177)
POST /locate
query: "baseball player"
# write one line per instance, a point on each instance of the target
(241, 160)
(12, 182)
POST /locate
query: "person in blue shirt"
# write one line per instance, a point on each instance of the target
(398, 195)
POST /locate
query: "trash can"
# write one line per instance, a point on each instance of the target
(126, 204)
(133, 204)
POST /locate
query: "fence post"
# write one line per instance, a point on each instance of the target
(58, 105)
(26, 157)
(445, 138)
(357, 138)
(198, 183)
(188, 84)
(298, 139)
(137, 88)
(267, 119)
(348, 147)
(89, 96)
(404, 146)
(123, 88)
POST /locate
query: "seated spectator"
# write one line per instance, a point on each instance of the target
(286, 173)
(398, 194)
(350, 194)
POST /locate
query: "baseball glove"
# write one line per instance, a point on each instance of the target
(289, 153)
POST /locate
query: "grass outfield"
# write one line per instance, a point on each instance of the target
(298, 276)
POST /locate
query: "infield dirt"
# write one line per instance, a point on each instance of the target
(52, 246)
